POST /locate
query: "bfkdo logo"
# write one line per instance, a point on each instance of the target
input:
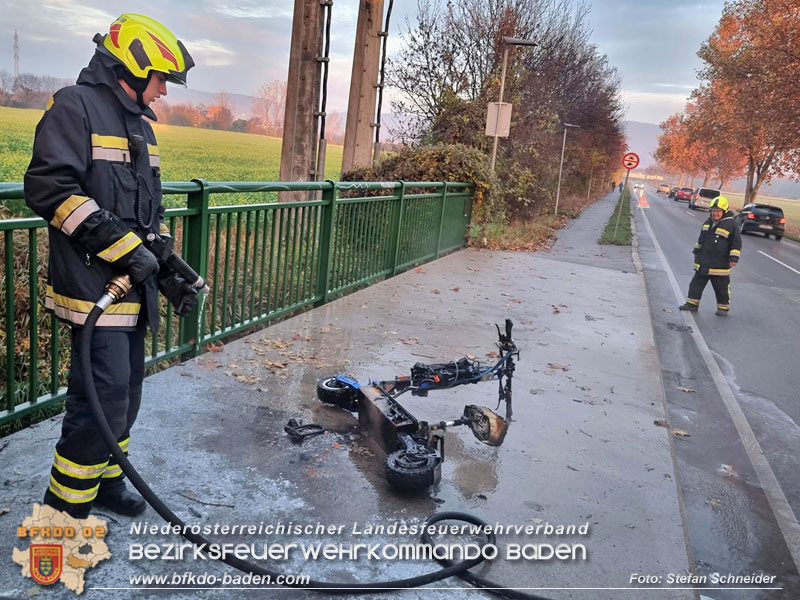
(46, 562)
(61, 548)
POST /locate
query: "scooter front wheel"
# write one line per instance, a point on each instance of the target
(338, 393)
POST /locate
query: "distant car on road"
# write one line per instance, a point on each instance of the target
(663, 187)
(762, 217)
(684, 194)
(702, 198)
(672, 192)
(638, 186)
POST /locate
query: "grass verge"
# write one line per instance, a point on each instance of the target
(618, 229)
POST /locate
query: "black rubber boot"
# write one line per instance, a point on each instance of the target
(689, 306)
(121, 501)
(721, 312)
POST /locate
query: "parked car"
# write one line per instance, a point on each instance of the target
(672, 192)
(702, 197)
(761, 217)
(684, 194)
(663, 187)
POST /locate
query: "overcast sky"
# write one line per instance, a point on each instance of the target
(240, 44)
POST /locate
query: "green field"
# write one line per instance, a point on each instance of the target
(186, 152)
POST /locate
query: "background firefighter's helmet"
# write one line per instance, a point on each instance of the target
(720, 202)
(142, 45)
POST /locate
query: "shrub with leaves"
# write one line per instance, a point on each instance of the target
(443, 162)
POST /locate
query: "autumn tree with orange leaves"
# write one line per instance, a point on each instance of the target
(743, 118)
(752, 68)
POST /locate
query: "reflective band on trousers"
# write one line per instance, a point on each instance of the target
(73, 469)
(114, 471)
(71, 495)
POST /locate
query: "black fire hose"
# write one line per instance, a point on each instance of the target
(115, 290)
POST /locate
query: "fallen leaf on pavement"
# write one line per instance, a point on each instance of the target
(324, 329)
(419, 270)
(669, 310)
(686, 389)
(455, 289)
(276, 365)
(728, 470)
(680, 432)
(558, 366)
(492, 354)
(517, 300)
(713, 502)
(208, 365)
(556, 309)
(660, 423)
(296, 336)
(337, 445)
(409, 341)
(435, 291)
(215, 347)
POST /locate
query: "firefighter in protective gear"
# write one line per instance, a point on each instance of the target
(95, 177)
(716, 252)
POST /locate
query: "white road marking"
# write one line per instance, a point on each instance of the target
(691, 212)
(784, 515)
(779, 262)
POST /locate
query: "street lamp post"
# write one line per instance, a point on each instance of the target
(507, 41)
(560, 166)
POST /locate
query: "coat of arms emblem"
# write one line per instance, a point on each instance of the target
(46, 562)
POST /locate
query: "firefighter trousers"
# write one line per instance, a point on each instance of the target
(720, 283)
(82, 465)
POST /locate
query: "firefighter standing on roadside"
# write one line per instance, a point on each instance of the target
(716, 252)
(95, 177)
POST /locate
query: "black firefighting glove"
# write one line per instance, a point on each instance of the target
(139, 263)
(180, 293)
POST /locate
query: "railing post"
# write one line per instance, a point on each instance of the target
(33, 282)
(468, 201)
(11, 354)
(394, 230)
(326, 243)
(441, 219)
(195, 236)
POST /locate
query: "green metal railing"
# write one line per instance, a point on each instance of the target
(263, 261)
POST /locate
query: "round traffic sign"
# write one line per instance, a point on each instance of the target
(630, 160)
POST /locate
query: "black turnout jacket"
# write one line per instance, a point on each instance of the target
(719, 245)
(95, 178)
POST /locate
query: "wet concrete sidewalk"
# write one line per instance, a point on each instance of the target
(582, 447)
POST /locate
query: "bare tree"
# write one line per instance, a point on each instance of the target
(6, 87)
(269, 106)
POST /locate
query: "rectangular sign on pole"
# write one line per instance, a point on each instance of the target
(498, 119)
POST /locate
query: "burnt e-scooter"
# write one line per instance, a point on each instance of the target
(415, 449)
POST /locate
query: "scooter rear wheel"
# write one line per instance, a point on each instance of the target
(411, 471)
(338, 393)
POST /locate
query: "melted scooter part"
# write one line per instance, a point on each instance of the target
(415, 449)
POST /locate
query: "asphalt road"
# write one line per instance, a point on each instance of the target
(741, 490)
